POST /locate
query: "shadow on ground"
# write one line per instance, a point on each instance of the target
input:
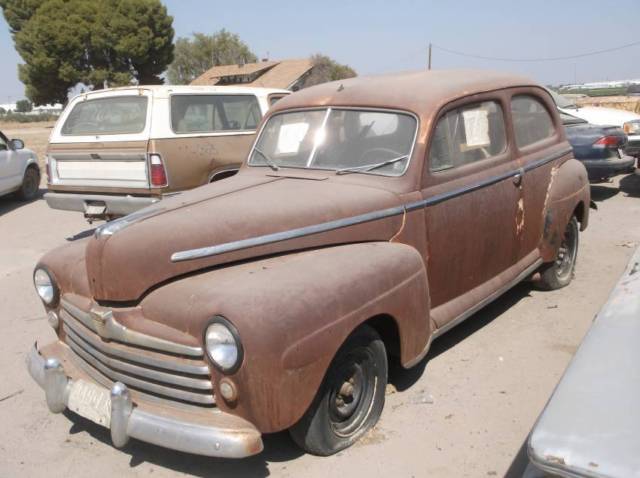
(602, 192)
(631, 184)
(403, 379)
(278, 447)
(11, 202)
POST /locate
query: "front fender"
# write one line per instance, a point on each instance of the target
(568, 193)
(293, 312)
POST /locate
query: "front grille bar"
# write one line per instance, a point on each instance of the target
(155, 375)
(150, 359)
(106, 327)
(177, 394)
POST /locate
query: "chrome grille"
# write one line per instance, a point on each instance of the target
(151, 370)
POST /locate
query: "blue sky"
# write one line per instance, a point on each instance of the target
(376, 36)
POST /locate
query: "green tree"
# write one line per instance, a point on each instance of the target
(99, 43)
(325, 69)
(195, 56)
(2, 111)
(23, 106)
(18, 12)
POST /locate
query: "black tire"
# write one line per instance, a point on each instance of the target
(350, 399)
(30, 184)
(560, 272)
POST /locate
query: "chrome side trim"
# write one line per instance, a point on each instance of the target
(284, 235)
(116, 350)
(101, 321)
(209, 251)
(204, 399)
(143, 372)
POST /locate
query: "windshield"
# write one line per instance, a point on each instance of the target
(114, 115)
(337, 139)
(561, 101)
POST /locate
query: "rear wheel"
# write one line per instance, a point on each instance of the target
(559, 273)
(30, 184)
(351, 398)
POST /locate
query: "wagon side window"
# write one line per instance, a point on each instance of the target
(214, 113)
(531, 120)
(468, 134)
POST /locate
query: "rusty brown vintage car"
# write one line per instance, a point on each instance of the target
(371, 216)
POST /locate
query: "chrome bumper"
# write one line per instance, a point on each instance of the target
(114, 205)
(223, 435)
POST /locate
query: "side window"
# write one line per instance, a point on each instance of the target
(3, 143)
(214, 113)
(468, 134)
(531, 120)
(274, 98)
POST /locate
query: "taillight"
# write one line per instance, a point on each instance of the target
(157, 172)
(608, 142)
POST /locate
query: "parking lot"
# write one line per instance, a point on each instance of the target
(464, 411)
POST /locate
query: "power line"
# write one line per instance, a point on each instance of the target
(524, 60)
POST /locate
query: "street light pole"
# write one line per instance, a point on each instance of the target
(429, 64)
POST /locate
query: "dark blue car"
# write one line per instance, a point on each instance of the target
(600, 148)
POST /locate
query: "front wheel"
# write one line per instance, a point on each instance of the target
(559, 273)
(350, 399)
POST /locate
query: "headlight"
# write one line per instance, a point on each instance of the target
(223, 345)
(45, 286)
(632, 127)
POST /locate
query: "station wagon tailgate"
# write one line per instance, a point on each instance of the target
(101, 165)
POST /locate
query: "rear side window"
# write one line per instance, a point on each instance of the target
(531, 120)
(468, 134)
(3, 143)
(114, 115)
(214, 113)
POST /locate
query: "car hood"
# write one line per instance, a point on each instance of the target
(600, 115)
(129, 257)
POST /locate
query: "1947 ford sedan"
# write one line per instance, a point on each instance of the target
(372, 215)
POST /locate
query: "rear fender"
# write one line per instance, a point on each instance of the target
(568, 193)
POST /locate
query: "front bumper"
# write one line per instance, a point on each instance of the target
(633, 146)
(209, 433)
(599, 169)
(110, 205)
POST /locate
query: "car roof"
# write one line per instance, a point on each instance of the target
(420, 92)
(165, 90)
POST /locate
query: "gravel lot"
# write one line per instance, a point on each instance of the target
(464, 411)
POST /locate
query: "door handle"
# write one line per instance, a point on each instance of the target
(517, 179)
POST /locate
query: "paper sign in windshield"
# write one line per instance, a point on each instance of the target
(476, 126)
(290, 136)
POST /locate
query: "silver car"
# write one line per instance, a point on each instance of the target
(19, 171)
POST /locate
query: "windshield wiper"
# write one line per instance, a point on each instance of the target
(371, 167)
(270, 162)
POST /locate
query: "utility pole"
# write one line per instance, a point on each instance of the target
(429, 64)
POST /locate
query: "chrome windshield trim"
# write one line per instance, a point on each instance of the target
(101, 321)
(208, 251)
(340, 108)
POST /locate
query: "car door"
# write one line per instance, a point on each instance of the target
(6, 167)
(538, 149)
(472, 190)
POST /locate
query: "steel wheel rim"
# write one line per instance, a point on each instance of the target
(567, 252)
(352, 393)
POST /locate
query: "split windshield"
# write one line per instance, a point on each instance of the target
(343, 140)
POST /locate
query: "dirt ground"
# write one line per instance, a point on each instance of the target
(464, 411)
